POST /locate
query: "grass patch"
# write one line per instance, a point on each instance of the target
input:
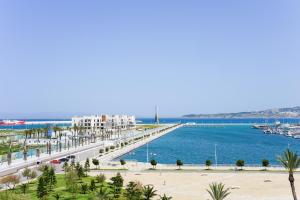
(4, 148)
(60, 189)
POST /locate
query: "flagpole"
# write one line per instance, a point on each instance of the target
(216, 158)
(147, 153)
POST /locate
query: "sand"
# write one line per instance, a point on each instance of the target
(184, 185)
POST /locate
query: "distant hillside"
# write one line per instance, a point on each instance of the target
(270, 113)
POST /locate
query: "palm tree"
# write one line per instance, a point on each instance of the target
(149, 192)
(38, 151)
(25, 153)
(103, 194)
(9, 154)
(217, 191)
(27, 132)
(59, 133)
(57, 145)
(50, 147)
(68, 129)
(165, 197)
(291, 162)
(37, 132)
(45, 130)
(56, 129)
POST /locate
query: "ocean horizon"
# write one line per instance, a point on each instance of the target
(166, 120)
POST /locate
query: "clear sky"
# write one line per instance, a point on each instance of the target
(61, 58)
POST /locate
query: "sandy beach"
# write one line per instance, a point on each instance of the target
(183, 185)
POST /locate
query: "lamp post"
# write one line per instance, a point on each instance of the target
(147, 153)
(216, 157)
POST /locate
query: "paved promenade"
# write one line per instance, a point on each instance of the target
(89, 151)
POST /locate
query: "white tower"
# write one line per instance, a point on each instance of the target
(156, 119)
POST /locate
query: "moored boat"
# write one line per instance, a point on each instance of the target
(11, 122)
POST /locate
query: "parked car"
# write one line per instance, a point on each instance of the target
(55, 162)
(71, 157)
(64, 160)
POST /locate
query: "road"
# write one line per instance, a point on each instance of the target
(89, 151)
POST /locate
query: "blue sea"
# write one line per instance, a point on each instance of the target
(193, 145)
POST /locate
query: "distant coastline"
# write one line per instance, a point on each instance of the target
(293, 112)
(191, 116)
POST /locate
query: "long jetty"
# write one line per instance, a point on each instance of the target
(155, 135)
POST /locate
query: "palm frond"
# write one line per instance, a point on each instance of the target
(289, 160)
(217, 191)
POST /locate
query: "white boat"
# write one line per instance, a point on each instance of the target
(190, 123)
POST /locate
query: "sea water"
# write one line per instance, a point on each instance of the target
(221, 144)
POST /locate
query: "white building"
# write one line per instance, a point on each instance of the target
(105, 122)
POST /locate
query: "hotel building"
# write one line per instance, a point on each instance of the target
(105, 122)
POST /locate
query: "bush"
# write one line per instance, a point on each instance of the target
(122, 162)
(134, 190)
(117, 183)
(42, 187)
(100, 178)
(84, 188)
(80, 172)
(101, 151)
(93, 185)
(26, 173)
(208, 163)
(265, 163)
(33, 174)
(106, 149)
(117, 180)
(95, 162)
(179, 163)
(240, 163)
(112, 147)
(153, 163)
(42, 167)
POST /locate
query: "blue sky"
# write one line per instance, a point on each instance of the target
(61, 58)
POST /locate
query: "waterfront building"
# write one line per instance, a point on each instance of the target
(105, 122)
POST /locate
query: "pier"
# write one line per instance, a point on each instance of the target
(217, 124)
(121, 152)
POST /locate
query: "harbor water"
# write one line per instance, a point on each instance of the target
(221, 144)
